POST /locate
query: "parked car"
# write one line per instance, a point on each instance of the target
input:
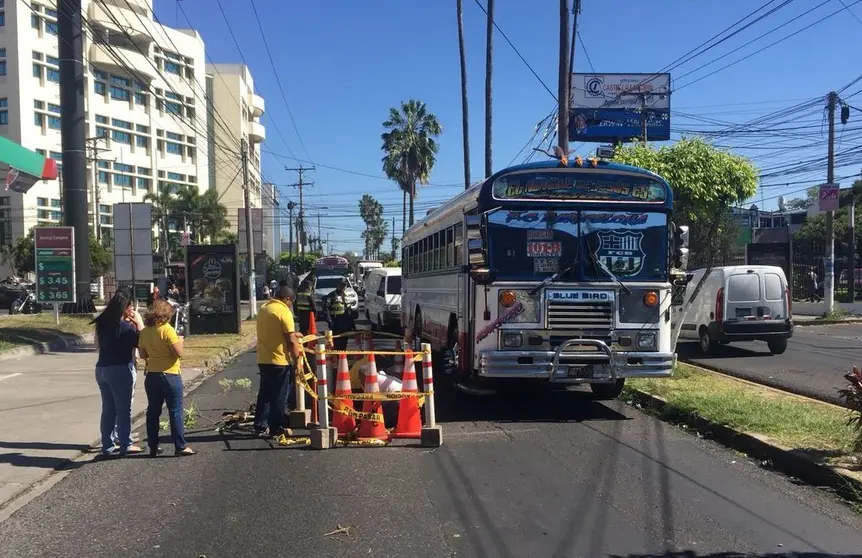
(383, 298)
(738, 303)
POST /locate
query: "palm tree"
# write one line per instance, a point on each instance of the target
(410, 146)
(213, 214)
(164, 202)
(465, 129)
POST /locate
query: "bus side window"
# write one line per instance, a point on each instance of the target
(459, 249)
(426, 256)
(450, 246)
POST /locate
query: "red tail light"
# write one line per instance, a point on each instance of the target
(719, 307)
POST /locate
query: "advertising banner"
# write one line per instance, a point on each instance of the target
(609, 107)
(213, 276)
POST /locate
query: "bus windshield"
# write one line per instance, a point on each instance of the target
(530, 245)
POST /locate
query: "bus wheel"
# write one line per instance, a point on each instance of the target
(606, 392)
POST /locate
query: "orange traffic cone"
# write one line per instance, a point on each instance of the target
(344, 423)
(369, 429)
(312, 324)
(409, 414)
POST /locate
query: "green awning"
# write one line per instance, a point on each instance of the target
(20, 167)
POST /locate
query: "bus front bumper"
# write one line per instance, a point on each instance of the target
(565, 367)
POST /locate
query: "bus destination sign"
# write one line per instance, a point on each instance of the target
(575, 187)
(55, 264)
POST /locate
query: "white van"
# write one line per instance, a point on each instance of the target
(738, 303)
(383, 298)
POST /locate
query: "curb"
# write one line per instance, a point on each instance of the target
(818, 322)
(42, 347)
(788, 461)
(22, 498)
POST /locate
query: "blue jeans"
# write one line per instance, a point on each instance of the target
(117, 386)
(272, 397)
(163, 389)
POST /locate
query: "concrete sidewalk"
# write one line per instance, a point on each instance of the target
(49, 414)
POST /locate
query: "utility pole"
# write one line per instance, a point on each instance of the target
(644, 119)
(94, 159)
(319, 236)
(290, 206)
(394, 241)
(829, 267)
(563, 92)
(465, 121)
(489, 71)
(300, 221)
(73, 134)
(249, 235)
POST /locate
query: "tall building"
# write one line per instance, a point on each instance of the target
(235, 112)
(272, 219)
(145, 102)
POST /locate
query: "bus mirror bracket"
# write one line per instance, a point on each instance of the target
(481, 275)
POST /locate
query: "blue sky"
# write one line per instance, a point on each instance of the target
(343, 64)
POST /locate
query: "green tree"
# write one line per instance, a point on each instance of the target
(164, 204)
(376, 228)
(410, 147)
(706, 181)
(20, 255)
(225, 237)
(101, 259)
(204, 214)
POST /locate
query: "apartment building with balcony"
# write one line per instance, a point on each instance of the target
(234, 114)
(145, 102)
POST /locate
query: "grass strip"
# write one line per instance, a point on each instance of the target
(817, 429)
(23, 330)
(199, 349)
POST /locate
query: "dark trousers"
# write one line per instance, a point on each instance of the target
(304, 319)
(163, 389)
(272, 397)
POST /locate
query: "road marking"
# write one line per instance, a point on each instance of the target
(7, 376)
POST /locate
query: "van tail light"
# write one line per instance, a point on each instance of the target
(789, 302)
(719, 308)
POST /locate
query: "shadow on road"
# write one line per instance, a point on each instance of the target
(693, 554)
(691, 351)
(536, 405)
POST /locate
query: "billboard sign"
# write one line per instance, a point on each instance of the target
(133, 242)
(609, 107)
(256, 230)
(213, 276)
(829, 197)
(55, 264)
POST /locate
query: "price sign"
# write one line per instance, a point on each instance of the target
(55, 264)
(544, 249)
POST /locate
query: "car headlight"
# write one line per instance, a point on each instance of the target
(646, 341)
(512, 340)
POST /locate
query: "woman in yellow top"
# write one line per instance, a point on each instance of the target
(162, 348)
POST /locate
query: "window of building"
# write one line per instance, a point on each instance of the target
(37, 71)
(106, 219)
(99, 88)
(123, 168)
(173, 136)
(104, 164)
(121, 137)
(52, 74)
(54, 108)
(39, 119)
(54, 122)
(142, 129)
(56, 203)
(2, 19)
(42, 201)
(120, 80)
(140, 99)
(99, 74)
(56, 155)
(145, 171)
(35, 21)
(37, 55)
(176, 176)
(173, 96)
(121, 124)
(119, 93)
(174, 108)
(51, 60)
(172, 67)
(51, 13)
(101, 131)
(51, 27)
(172, 56)
(144, 183)
(174, 148)
(4, 113)
(122, 181)
(2, 67)
(103, 177)
(105, 209)
(142, 141)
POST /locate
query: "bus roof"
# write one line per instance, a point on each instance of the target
(481, 194)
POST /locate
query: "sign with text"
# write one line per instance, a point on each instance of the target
(829, 197)
(580, 185)
(55, 264)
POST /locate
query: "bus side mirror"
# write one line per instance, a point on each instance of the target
(481, 276)
(680, 246)
(476, 254)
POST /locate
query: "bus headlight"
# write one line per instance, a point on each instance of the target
(512, 340)
(646, 341)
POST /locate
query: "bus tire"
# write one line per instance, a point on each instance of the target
(606, 392)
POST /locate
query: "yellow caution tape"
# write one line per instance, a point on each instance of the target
(391, 396)
(369, 442)
(285, 441)
(345, 410)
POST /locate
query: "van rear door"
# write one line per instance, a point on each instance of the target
(775, 293)
(744, 297)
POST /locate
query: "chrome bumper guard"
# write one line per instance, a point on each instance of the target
(553, 365)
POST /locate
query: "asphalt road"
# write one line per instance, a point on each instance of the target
(549, 475)
(814, 364)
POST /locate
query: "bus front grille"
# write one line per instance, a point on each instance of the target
(591, 315)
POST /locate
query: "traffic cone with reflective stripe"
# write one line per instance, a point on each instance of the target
(344, 423)
(370, 429)
(409, 414)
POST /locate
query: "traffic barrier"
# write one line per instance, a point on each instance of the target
(409, 414)
(367, 427)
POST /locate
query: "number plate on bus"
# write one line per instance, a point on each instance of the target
(546, 265)
(582, 371)
(544, 249)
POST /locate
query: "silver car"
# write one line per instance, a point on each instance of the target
(328, 283)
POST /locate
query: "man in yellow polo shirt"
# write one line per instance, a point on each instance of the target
(277, 345)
